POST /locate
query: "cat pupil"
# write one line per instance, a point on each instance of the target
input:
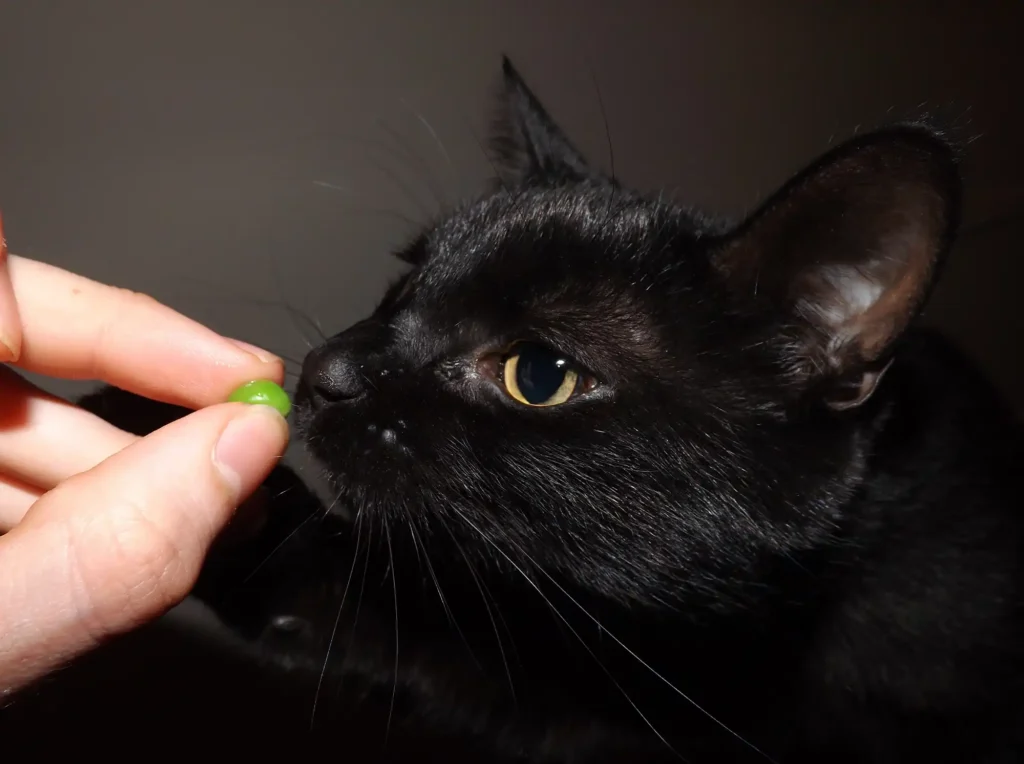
(539, 373)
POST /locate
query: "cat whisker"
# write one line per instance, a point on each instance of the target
(311, 322)
(394, 589)
(337, 621)
(575, 633)
(283, 492)
(640, 660)
(417, 542)
(332, 186)
(480, 588)
(368, 380)
(294, 313)
(463, 444)
(223, 296)
(279, 546)
(366, 568)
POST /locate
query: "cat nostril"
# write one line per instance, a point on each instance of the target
(330, 376)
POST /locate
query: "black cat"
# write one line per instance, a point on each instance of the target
(623, 482)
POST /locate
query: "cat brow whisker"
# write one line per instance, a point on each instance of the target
(604, 118)
(428, 177)
(367, 210)
(430, 129)
(403, 187)
(400, 151)
(575, 633)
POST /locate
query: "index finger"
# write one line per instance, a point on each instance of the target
(76, 328)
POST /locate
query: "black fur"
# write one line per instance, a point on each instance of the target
(782, 525)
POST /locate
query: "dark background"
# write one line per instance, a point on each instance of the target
(227, 156)
(222, 155)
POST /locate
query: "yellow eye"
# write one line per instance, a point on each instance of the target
(537, 376)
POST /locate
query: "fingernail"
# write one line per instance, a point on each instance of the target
(8, 352)
(249, 446)
(260, 353)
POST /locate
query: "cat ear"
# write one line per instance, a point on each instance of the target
(529, 147)
(847, 253)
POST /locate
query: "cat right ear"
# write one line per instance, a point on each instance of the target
(846, 253)
(529, 146)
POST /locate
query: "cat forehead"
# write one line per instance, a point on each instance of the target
(533, 236)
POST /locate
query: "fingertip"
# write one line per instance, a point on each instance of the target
(249, 446)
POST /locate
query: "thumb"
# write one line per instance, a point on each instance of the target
(120, 544)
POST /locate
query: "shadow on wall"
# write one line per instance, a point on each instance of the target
(976, 302)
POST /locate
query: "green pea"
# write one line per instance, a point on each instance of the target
(262, 391)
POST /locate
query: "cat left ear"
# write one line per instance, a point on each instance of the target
(530, 147)
(846, 255)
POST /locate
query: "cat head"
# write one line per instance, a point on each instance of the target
(643, 400)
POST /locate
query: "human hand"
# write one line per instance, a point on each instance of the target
(107, 530)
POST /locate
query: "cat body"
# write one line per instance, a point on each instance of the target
(617, 481)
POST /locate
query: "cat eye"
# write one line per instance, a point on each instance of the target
(535, 375)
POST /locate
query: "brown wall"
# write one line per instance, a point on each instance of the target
(188, 149)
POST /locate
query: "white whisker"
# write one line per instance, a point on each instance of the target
(337, 621)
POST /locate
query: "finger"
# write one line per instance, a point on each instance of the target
(122, 543)
(10, 324)
(15, 499)
(75, 328)
(45, 440)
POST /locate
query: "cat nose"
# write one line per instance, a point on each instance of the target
(331, 375)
